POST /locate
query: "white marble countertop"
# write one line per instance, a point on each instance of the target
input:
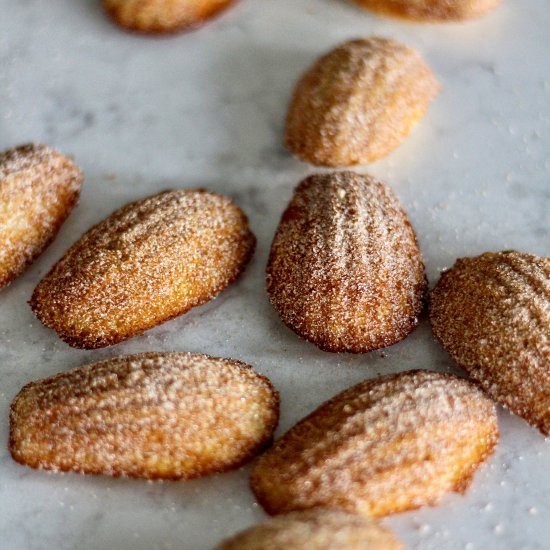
(207, 109)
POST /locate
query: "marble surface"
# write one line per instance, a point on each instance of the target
(207, 109)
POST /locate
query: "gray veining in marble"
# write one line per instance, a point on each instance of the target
(207, 109)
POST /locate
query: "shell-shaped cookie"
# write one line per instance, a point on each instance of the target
(431, 10)
(358, 102)
(492, 315)
(38, 189)
(163, 16)
(317, 529)
(383, 446)
(149, 262)
(345, 271)
(151, 415)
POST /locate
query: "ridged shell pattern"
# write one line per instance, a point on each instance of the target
(345, 270)
(383, 446)
(492, 314)
(358, 102)
(151, 415)
(148, 262)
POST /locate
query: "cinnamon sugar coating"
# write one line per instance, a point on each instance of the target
(384, 446)
(317, 529)
(163, 16)
(345, 271)
(492, 315)
(151, 415)
(38, 189)
(148, 262)
(431, 10)
(357, 103)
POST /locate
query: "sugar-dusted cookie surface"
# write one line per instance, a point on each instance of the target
(345, 271)
(431, 10)
(151, 415)
(317, 529)
(38, 189)
(492, 315)
(163, 16)
(148, 262)
(384, 446)
(358, 102)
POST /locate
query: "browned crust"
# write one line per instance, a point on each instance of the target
(384, 446)
(492, 315)
(345, 271)
(111, 286)
(43, 185)
(67, 422)
(358, 102)
(431, 10)
(316, 529)
(164, 16)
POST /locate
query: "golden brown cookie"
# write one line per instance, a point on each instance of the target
(384, 446)
(431, 10)
(163, 16)
(38, 189)
(151, 415)
(492, 314)
(358, 102)
(317, 529)
(345, 271)
(148, 262)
